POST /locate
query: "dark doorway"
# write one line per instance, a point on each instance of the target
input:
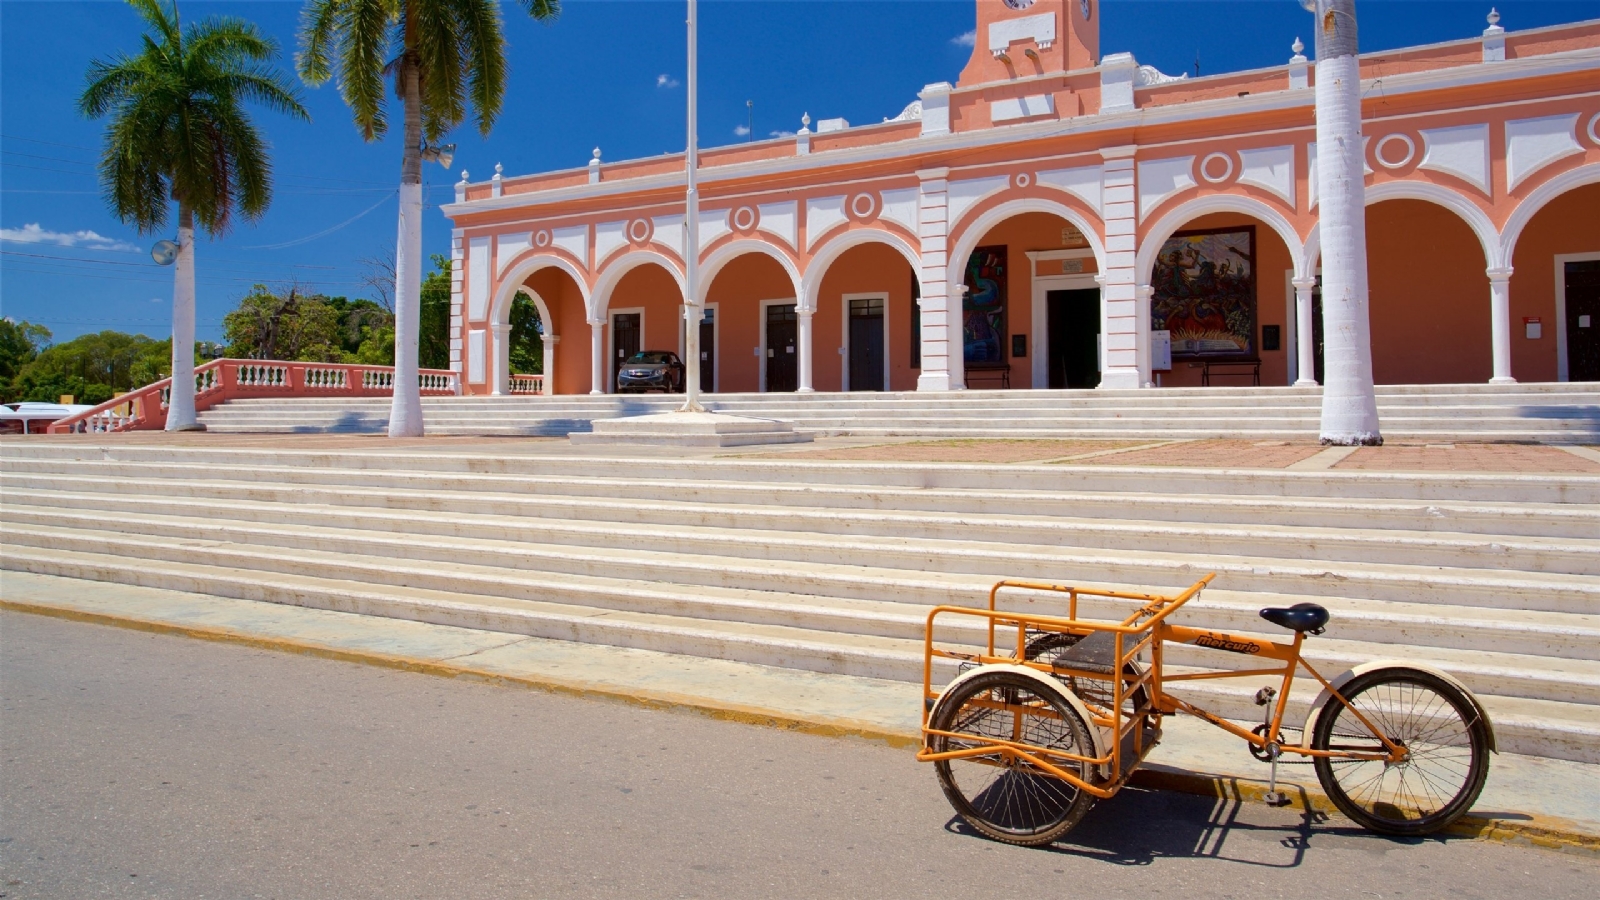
(1316, 332)
(783, 367)
(624, 340)
(708, 351)
(866, 344)
(1583, 320)
(1074, 330)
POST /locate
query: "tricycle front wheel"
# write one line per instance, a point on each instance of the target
(1004, 797)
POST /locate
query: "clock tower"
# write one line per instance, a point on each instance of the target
(1022, 38)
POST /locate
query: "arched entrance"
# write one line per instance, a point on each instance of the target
(562, 301)
(1031, 312)
(760, 331)
(638, 303)
(862, 287)
(1553, 244)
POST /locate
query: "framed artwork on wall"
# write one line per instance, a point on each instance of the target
(983, 308)
(1205, 293)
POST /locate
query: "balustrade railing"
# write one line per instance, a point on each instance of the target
(527, 384)
(237, 379)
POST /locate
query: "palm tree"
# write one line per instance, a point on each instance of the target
(1349, 404)
(442, 54)
(179, 134)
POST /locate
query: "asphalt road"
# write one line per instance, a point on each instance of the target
(140, 765)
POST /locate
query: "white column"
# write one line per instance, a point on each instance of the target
(1123, 363)
(549, 385)
(1500, 323)
(502, 359)
(597, 357)
(1304, 332)
(937, 319)
(805, 351)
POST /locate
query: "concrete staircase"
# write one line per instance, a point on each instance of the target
(832, 567)
(1552, 413)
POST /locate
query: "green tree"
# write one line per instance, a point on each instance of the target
(179, 134)
(20, 343)
(92, 367)
(291, 326)
(434, 333)
(442, 55)
(527, 336)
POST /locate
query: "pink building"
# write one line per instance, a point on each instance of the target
(1060, 218)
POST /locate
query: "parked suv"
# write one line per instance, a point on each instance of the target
(651, 370)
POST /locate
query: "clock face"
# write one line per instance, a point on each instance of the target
(1019, 4)
(1086, 7)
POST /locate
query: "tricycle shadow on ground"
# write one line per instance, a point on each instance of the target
(1139, 827)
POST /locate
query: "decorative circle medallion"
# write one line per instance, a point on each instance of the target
(639, 230)
(1379, 152)
(1207, 167)
(541, 238)
(744, 218)
(1023, 179)
(1594, 128)
(862, 206)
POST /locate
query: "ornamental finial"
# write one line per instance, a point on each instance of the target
(1297, 47)
(597, 154)
(1494, 17)
(463, 176)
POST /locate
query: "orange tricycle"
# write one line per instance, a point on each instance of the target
(1057, 712)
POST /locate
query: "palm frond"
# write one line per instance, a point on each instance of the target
(318, 32)
(485, 51)
(364, 28)
(546, 11)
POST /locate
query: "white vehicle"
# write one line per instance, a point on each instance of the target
(34, 418)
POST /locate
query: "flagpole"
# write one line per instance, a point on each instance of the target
(692, 309)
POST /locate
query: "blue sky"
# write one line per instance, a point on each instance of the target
(609, 73)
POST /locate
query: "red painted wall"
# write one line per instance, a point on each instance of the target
(868, 269)
(570, 323)
(1429, 296)
(738, 291)
(1569, 224)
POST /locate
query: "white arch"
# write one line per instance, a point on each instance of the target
(817, 267)
(1538, 199)
(1156, 235)
(972, 233)
(1488, 237)
(727, 253)
(620, 266)
(524, 269)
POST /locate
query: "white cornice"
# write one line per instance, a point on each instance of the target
(1413, 82)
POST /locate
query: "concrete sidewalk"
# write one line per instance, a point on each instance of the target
(1531, 800)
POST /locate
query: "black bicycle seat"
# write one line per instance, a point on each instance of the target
(1299, 617)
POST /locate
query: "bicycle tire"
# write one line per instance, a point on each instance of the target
(1048, 648)
(1014, 802)
(1438, 724)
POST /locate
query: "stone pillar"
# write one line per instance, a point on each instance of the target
(937, 317)
(1124, 363)
(502, 359)
(597, 357)
(805, 351)
(458, 294)
(548, 387)
(1305, 333)
(1500, 323)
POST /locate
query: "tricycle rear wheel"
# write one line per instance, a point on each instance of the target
(1009, 799)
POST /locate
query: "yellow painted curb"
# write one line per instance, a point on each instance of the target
(1546, 832)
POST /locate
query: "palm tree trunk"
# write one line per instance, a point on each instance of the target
(1349, 406)
(405, 415)
(180, 404)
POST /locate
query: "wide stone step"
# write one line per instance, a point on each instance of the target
(876, 590)
(1417, 584)
(1536, 727)
(1569, 490)
(954, 535)
(1474, 519)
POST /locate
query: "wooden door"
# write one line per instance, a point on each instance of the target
(783, 366)
(866, 344)
(624, 340)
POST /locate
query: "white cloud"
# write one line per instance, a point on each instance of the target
(782, 134)
(157, 300)
(89, 240)
(666, 81)
(966, 39)
(741, 130)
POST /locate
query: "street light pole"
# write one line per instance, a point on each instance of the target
(692, 309)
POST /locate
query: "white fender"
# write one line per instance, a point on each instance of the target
(1100, 736)
(1345, 677)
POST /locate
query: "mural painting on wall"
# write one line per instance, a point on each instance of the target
(1205, 292)
(983, 309)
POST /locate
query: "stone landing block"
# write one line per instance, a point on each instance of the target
(691, 429)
